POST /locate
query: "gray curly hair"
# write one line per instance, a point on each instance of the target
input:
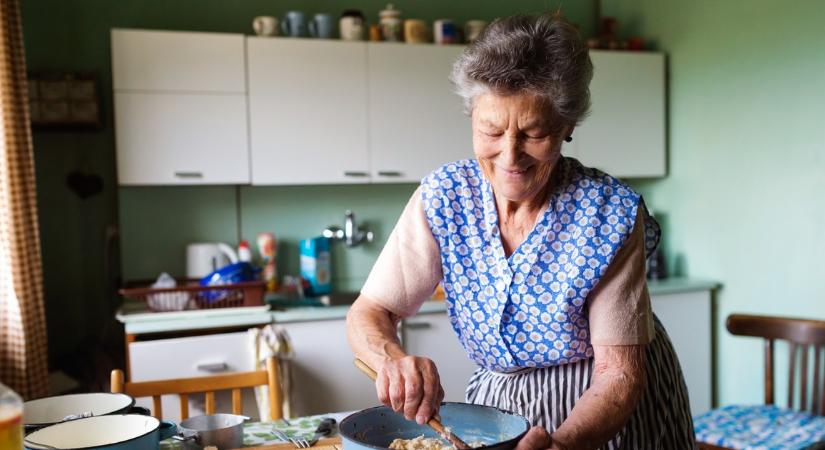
(538, 54)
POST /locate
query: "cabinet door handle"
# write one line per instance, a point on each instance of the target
(213, 367)
(188, 174)
(418, 325)
(355, 174)
(389, 173)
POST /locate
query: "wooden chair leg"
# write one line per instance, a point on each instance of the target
(184, 406)
(237, 402)
(157, 408)
(275, 398)
(210, 402)
(117, 381)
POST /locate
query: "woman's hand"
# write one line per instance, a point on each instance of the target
(408, 384)
(537, 438)
(411, 385)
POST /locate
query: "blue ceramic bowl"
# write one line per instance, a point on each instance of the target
(375, 428)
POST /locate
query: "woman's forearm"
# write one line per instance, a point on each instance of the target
(372, 333)
(606, 406)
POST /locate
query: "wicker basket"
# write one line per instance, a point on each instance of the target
(188, 294)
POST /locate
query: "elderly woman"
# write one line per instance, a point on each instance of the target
(542, 260)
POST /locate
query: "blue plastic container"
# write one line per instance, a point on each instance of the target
(229, 274)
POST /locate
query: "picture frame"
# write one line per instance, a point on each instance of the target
(64, 100)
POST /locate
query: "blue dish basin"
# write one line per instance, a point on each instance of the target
(376, 428)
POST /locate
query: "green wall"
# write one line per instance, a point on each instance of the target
(746, 159)
(156, 223)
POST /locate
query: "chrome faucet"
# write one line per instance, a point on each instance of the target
(350, 234)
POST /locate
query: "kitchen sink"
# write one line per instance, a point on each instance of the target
(339, 298)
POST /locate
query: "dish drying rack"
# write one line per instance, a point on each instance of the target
(189, 295)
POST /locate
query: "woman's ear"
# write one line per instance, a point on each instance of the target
(567, 133)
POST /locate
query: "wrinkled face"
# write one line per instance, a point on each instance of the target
(517, 141)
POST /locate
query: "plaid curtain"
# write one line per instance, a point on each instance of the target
(23, 351)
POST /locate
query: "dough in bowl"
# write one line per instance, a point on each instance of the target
(422, 443)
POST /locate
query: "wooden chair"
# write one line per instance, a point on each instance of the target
(207, 385)
(804, 336)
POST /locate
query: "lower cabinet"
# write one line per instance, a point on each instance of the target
(686, 317)
(432, 335)
(324, 378)
(193, 357)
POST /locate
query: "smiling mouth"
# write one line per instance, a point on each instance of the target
(516, 172)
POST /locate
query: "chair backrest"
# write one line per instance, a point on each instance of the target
(803, 335)
(206, 385)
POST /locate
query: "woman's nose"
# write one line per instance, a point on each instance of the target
(511, 150)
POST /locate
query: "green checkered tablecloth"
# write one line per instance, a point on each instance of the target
(260, 433)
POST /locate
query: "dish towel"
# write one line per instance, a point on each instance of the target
(272, 340)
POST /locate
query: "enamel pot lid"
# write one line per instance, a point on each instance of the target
(116, 431)
(49, 410)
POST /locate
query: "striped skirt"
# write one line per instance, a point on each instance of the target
(546, 396)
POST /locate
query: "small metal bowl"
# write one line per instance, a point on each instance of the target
(376, 428)
(220, 430)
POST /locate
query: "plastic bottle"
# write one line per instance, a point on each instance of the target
(244, 253)
(11, 419)
(268, 248)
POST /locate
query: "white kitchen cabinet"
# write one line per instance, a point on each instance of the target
(324, 378)
(308, 111)
(181, 138)
(432, 335)
(180, 108)
(416, 120)
(625, 132)
(328, 112)
(687, 318)
(193, 357)
(178, 61)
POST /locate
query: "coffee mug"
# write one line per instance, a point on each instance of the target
(415, 31)
(473, 29)
(294, 24)
(445, 32)
(351, 26)
(265, 26)
(321, 26)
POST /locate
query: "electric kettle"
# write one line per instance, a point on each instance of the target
(203, 258)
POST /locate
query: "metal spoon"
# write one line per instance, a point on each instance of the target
(434, 423)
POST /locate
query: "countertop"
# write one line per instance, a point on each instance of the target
(137, 320)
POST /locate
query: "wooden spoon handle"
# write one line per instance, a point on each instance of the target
(434, 423)
(363, 367)
(448, 435)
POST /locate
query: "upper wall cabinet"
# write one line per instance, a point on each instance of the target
(180, 108)
(178, 61)
(625, 132)
(416, 119)
(350, 112)
(218, 108)
(307, 111)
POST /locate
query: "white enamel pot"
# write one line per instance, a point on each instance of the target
(51, 410)
(113, 432)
